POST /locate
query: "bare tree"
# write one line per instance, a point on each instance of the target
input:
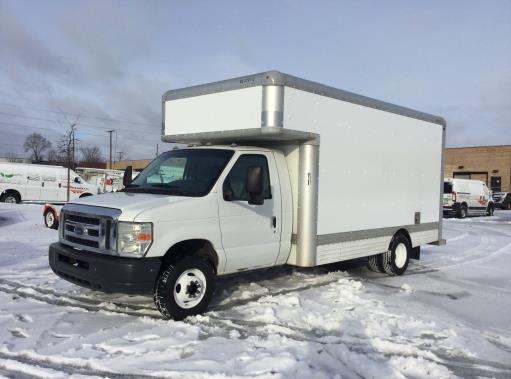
(55, 157)
(66, 146)
(36, 144)
(91, 154)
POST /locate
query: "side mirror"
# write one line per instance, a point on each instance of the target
(227, 190)
(254, 185)
(126, 179)
(77, 179)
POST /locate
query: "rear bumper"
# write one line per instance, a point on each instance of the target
(451, 210)
(103, 272)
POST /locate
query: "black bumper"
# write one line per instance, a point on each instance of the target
(103, 272)
(452, 210)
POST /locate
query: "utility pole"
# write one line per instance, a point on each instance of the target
(156, 150)
(121, 153)
(70, 156)
(110, 132)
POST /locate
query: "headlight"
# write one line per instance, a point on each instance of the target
(134, 238)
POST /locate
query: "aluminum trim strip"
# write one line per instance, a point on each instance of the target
(327, 239)
(266, 134)
(275, 78)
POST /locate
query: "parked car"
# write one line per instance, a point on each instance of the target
(465, 197)
(34, 182)
(51, 214)
(280, 170)
(502, 200)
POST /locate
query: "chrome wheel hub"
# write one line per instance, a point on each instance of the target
(400, 254)
(190, 288)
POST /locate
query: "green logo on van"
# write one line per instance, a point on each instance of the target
(6, 175)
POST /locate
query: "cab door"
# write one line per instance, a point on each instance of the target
(250, 232)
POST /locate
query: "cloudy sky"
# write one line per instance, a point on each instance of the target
(110, 61)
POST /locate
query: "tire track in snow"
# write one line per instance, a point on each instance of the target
(53, 297)
(263, 330)
(66, 369)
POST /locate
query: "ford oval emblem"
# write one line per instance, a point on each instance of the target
(79, 230)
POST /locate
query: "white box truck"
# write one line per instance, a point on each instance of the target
(278, 170)
(36, 182)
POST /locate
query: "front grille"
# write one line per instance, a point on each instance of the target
(88, 232)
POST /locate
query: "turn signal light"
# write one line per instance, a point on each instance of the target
(143, 237)
(454, 196)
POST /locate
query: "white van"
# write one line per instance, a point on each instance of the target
(33, 182)
(279, 170)
(464, 197)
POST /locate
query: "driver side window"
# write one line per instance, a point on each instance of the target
(234, 185)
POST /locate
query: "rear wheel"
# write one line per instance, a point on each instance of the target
(184, 288)
(395, 260)
(50, 220)
(375, 263)
(462, 213)
(10, 198)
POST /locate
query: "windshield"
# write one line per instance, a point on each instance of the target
(182, 172)
(447, 187)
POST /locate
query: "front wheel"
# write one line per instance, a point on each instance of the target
(395, 260)
(184, 288)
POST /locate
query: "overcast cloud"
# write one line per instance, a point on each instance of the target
(114, 59)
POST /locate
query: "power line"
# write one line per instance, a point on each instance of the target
(76, 115)
(128, 130)
(56, 131)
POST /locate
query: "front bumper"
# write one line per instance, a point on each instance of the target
(104, 272)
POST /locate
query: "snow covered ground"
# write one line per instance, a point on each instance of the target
(448, 316)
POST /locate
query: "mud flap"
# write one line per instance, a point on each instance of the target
(416, 253)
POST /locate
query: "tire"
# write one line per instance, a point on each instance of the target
(396, 259)
(11, 198)
(375, 263)
(463, 212)
(490, 211)
(169, 296)
(50, 220)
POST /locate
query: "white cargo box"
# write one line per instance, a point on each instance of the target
(379, 168)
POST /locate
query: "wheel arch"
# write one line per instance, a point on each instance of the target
(11, 191)
(404, 232)
(85, 194)
(197, 246)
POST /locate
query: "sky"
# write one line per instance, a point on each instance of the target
(105, 64)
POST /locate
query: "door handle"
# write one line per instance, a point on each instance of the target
(274, 221)
(42, 184)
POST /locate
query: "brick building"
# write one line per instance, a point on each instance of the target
(491, 164)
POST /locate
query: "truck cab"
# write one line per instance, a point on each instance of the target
(192, 199)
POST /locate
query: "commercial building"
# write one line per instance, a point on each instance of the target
(491, 164)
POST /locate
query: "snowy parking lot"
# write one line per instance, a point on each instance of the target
(448, 316)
